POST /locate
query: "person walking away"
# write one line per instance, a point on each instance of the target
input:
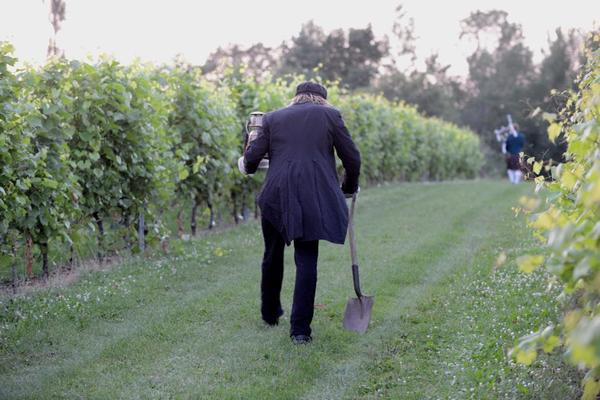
(512, 147)
(301, 200)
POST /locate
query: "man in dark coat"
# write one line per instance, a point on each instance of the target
(301, 199)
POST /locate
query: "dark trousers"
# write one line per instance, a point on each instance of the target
(305, 256)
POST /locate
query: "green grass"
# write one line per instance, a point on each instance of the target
(188, 326)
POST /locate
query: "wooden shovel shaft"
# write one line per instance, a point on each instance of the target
(351, 231)
(355, 276)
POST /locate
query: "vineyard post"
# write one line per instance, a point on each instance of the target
(13, 268)
(141, 227)
(193, 217)
(100, 225)
(71, 255)
(209, 204)
(29, 256)
(44, 251)
(180, 223)
(245, 209)
(126, 226)
(234, 210)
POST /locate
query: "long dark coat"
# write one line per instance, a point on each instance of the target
(301, 195)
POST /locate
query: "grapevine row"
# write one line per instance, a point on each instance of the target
(103, 149)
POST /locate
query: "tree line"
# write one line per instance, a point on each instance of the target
(502, 75)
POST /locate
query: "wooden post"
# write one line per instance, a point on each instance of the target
(71, 255)
(13, 267)
(193, 217)
(100, 225)
(180, 223)
(29, 256)
(44, 251)
(141, 228)
(126, 231)
(234, 208)
(211, 222)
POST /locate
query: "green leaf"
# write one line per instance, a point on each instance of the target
(526, 357)
(551, 343)
(49, 183)
(528, 264)
(568, 180)
(591, 389)
(86, 136)
(549, 117)
(183, 174)
(554, 131)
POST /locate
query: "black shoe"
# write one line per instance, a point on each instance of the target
(301, 339)
(273, 321)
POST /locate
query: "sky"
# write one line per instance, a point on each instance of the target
(157, 31)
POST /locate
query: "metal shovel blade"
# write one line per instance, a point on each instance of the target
(358, 313)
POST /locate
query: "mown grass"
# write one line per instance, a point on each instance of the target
(188, 326)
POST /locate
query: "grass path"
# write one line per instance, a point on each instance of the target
(188, 326)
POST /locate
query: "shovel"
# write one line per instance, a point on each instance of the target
(358, 310)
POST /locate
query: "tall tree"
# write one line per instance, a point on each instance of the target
(548, 92)
(404, 31)
(58, 10)
(558, 69)
(257, 60)
(503, 79)
(501, 70)
(433, 91)
(352, 56)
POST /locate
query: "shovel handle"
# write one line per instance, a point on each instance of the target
(356, 281)
(355, 277)
(351, 234)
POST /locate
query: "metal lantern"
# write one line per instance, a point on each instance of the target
(253, 128)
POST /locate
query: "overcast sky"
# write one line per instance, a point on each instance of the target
(156, 30)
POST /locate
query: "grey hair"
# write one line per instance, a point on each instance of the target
(309, 98)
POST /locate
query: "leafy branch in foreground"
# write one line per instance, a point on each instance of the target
(570, 227)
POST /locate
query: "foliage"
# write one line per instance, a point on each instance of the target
(51, 186)
(433, 90)
(204, 126)
(257, 60)
(502, 79)
(119, 121)
(397, 143)
(505, 80)
(88, 143)
(352, 57)
(569, 225)
(17, 163)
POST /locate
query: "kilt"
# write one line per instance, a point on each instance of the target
(513, 162)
